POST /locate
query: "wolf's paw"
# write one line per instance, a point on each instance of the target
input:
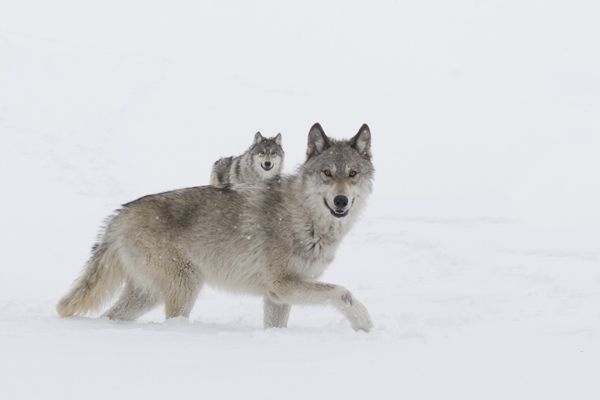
(359, 317)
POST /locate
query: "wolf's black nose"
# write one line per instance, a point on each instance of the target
(268, 164)
(340, 201)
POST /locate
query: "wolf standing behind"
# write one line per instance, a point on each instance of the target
(272, 239)
(263, 160)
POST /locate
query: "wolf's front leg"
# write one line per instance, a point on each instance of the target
(298, 291)
(275, 315)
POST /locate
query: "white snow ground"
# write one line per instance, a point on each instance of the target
(478, 257)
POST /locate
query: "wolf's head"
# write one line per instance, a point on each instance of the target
(337, 174)
(267, 155)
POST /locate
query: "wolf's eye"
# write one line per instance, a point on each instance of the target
(352, 173)
(327, 172)
(261, 154)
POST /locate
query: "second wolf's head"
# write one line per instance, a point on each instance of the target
(337, 175)
(267, 155)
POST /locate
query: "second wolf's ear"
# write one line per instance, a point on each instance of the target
(317, 141)
(258, 138)
(361, 142)
(278, 139)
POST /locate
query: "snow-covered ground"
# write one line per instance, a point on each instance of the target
(479, 254)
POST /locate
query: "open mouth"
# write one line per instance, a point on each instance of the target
(338, 213)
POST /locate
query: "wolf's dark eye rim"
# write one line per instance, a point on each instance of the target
(326, 172)
(352, 173)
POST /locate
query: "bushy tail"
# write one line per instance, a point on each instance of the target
(100, 278)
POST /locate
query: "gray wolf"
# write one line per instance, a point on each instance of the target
(263, 160)
(272, 239)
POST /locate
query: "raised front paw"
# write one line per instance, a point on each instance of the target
(357, 313)
(361, 320)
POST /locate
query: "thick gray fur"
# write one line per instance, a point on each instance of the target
(272, 239)
(263, 160)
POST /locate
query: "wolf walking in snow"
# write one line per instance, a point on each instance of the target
(263, 160)
(272, 239)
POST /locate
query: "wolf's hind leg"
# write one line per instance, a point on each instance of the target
(181, 304)
(181, 292)
(132, 303)
(275, 315)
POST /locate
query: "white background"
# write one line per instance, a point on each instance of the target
(478, 256)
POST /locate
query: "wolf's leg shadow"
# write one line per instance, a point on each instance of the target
(299, 291)
(133, 303)
(275, 315)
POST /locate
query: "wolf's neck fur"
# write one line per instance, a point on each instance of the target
(314, 228)
(244, 169)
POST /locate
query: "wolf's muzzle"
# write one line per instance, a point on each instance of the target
(340, 201)
(338, 212)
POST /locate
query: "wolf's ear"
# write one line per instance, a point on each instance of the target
(258, 138)
(278, 139)
(317, 141)
(361, 142)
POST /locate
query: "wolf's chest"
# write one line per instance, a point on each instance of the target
(312, 256)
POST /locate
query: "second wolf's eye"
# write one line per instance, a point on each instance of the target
(352, 173)
(261, 154)
(327, 172)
